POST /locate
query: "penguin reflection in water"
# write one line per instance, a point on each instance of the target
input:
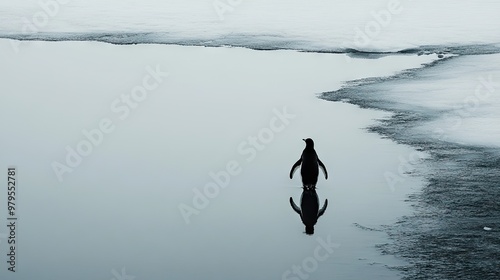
(309, 210)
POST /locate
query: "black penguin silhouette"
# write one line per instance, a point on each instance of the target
(309, 209)
(310, 165)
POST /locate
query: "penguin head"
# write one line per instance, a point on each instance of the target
(309, 143)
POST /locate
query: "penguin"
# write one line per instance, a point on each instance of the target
(309, 209)
(310, 166)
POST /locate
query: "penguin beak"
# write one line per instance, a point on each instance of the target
(304, 140)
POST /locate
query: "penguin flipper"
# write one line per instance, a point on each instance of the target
(294, 206)
(322, 210)
(323, 168)
(294, 167)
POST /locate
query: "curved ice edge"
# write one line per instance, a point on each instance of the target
(340, 96)
(250, 41)
(457, 204)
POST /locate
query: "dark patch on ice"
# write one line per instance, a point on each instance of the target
(365, 227)
(445, 237)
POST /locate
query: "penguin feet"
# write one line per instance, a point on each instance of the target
(309, 187)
